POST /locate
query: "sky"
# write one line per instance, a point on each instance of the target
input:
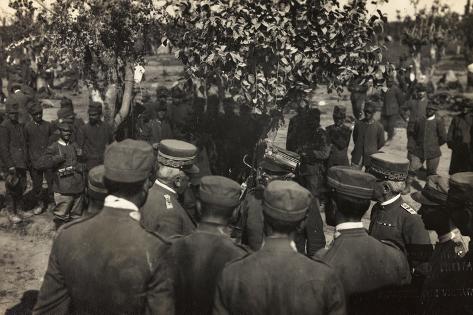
(389, 9)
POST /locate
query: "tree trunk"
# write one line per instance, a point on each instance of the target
(127, 97)
(417, 60)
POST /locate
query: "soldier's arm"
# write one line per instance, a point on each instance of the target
(160, 295)
(418, 245)
(335, 296)
(53, 297)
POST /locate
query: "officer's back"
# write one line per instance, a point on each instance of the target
(200, 256)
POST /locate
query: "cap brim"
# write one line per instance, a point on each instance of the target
(420, 198)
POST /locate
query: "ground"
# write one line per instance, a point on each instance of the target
(25, 249)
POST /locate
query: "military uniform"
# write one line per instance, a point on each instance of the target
(357, 97)
(276, 279)
(162, 211)
(459, 141)
(95, 270)
(339, 136)
(294, 130)
(200, 256)
(393, 100)
(394, 219)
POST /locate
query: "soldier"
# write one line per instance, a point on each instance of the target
(14, 156)
(62, 157)
(393, 100)
(393, 219)
(383, 264)
(429, 134)
(108, 263)
(162, 211)
(96, 190)
(314, 149)
(309, 238)
(68, 113)
(295, 126)
(94, 136)
(276, 279)
(459, 141)
(37, 134)
(201, 255)
(368, 136)
(357, 97)
(449, 251)
(339, 135)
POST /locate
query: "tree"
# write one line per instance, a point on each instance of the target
(262, 50)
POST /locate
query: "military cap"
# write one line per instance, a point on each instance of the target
(352, 182)
(461, 188)
(66, 102)
(386, 166)
(128, 161)
(370, 107)
(95, 108)
(96, 188)
(434, 193)
(35, 108)
(219, 191)
(339, 111)
(286, 201)
(177, 154)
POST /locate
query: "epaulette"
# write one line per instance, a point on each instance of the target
(164, 239)
(408, 208)
(67, 225)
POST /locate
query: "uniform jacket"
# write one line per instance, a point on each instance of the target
(447, 288)
(93, 139)
(58, 157)
(199, 258)
(162, 213)
(399, 223)
(37, 140)
(308, 240)
(340, 139)
(393, 100)
(459, 141)
(107, 264)
(368, 139)
(429, 135)
(293, 132)
(14, 151)
(382, 265)
(276, 280)
(417, 110)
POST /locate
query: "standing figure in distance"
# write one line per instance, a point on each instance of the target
(393, 100)
(358, 97)
(460, 142)
(339, 135)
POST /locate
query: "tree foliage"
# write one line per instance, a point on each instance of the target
(264, 49)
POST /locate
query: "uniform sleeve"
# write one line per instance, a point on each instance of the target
(254, 226)
(442, 133)
(335, 296)
(380, 137)
(160, 295)
(416, 237)
(220, 307)
(53, 297)
(314, 232)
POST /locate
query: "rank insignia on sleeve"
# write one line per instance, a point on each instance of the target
(169, 205)
(408, 208)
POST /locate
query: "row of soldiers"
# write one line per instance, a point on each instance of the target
(144, 253)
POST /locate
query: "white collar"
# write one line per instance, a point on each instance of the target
(116, 202)
(157, 182)
(431, 117)
(390, 201)
(62, 142)
(349, 225)
(16, 91)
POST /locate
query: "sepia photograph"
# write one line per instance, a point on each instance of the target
(236, 157)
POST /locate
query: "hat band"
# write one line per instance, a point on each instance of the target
(96, 189)
(350, 190)
(175, 161)
(387, 174)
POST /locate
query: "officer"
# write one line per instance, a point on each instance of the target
(162, 211)
(94, 136)
(392, 218)
(108, 263)
(339, 135)
(383, 264)
(14, 155)
(275, 279)
(201, 255)
(309, 238)
(449, 250)
(96, 190)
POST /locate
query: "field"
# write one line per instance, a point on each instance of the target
(25, 249)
